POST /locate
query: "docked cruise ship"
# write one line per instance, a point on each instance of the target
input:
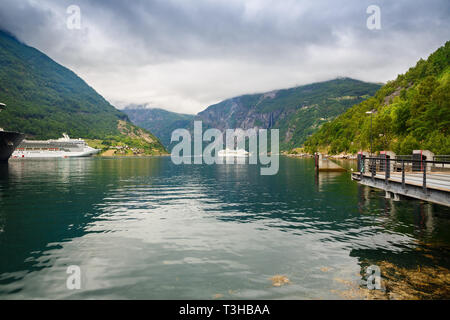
(64, 147)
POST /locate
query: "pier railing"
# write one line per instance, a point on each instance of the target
(443, 158)
(384, 167)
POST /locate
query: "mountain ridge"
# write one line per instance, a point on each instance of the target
(45, 99)
(296, 111)
(161, 121)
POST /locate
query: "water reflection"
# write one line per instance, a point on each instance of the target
(146, 228)
(48, 203)
(322, 179)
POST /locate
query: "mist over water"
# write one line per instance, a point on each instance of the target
(146, 228)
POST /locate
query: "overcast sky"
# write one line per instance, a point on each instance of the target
(185, 55)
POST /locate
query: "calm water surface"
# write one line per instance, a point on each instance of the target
(145, 228)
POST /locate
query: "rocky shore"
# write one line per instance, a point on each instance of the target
(335, 156)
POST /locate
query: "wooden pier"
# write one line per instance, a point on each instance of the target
(424, 180)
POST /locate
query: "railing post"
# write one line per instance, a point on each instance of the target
(387, 172)
(361, 164)
(425, 178)
(372, 168)
(403, 174)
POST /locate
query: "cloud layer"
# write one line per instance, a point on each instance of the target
(185, 55)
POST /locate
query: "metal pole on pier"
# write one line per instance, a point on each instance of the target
(370, 112)
(403, 174)
(424, 178)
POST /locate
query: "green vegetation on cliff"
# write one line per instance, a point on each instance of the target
(161, 122)
(412, 112)
(45, 99)
(297, 112)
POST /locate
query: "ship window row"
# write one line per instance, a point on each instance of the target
(44, 149)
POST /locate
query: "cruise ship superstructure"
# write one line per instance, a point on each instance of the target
(64, 147)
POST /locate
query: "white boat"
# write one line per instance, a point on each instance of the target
(233, 153)
(64, 147)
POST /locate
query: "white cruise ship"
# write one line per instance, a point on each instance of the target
(233, 153)
(64, 147)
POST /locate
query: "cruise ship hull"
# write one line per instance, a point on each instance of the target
(53, 154)
(8, 143)
(64, 147)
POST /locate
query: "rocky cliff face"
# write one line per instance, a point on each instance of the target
(297, 112)
(236, 114)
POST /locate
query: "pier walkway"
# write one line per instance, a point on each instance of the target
(424, 180)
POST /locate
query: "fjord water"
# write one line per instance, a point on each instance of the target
(146, 228)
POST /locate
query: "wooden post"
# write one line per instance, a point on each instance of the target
(358, 168)
(316, 160)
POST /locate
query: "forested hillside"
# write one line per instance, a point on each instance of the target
(412, 112)
(45, 99)
(160, 122)
(297, 112)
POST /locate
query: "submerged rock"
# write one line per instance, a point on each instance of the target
(401, 283)
(279, 280)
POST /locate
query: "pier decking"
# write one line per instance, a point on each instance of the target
(431, 183)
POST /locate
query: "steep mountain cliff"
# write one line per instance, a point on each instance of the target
(297, 112)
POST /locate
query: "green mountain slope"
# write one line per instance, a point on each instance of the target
(297, 112)
(46, 99)
(161, 122)
(412, 112)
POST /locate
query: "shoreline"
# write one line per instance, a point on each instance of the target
(341, 156)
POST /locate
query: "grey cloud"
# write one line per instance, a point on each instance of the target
(183, 55)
